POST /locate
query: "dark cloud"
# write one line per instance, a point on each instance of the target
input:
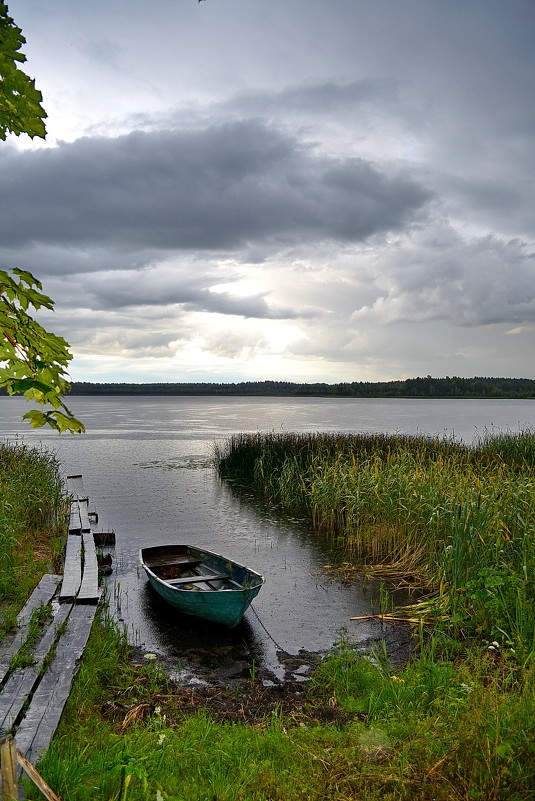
(169, 289)
(320, 99)
(217, 188)
(176, 288)
(470, 282)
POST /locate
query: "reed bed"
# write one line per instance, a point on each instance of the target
(32, 507)
(460, 520)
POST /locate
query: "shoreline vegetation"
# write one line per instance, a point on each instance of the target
(455, 724)
(425, 387)
(454, 521)
(32, 524)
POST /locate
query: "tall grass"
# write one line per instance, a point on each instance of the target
(32, 508)
(515, 447)
(461, 520)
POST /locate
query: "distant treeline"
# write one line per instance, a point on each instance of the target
(427, 387)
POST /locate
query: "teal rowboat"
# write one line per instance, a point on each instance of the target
(201, 583)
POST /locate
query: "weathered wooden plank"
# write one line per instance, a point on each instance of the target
(195, 579)
(75, 524)
(22, 682)
(8, 769)
(36, 778)
(89, 592)
(75, 487)
(85, 523)
(165, 561)
(44, 712)
(42, 594)
(72, 569)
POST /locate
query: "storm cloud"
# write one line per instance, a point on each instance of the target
(217, 188)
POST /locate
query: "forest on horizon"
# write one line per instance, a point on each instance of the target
(425, 387)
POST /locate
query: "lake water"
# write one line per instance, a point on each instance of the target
(146, 463)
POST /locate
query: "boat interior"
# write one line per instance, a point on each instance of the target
(187, 573)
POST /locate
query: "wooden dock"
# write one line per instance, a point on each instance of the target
(80, 578)
(34, 690)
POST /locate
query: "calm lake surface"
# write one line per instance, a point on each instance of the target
(147, 467)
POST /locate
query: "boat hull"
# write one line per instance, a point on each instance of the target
(220, 600)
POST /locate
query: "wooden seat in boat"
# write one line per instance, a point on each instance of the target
(195, 579)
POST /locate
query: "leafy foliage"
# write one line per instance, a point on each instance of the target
(32, 523)
(20, 101)
(33, 361)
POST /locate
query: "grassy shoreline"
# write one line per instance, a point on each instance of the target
(441, 729)
(456, 724)
(32, 530)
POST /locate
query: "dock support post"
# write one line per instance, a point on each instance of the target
(36, 778)
(9, 756)
(8, 763)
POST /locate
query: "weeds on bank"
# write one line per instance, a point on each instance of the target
(32, 509)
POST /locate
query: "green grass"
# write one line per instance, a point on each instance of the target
(32, 509)
(439, 729)
(513, 447)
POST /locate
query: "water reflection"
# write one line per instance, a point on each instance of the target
(193, 648)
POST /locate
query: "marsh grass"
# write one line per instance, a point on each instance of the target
(32, 511)
(461, 521)
(514, 447)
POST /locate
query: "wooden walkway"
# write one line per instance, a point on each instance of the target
(33, 694)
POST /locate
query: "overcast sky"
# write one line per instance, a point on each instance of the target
(304, 190)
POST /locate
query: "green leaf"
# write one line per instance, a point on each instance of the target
(23, 385)
(504, 750)
(27, 278)
(36, 419)
(33, 359)
(20, 102)
(65, 422)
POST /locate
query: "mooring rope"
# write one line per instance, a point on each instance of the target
(251, 607)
